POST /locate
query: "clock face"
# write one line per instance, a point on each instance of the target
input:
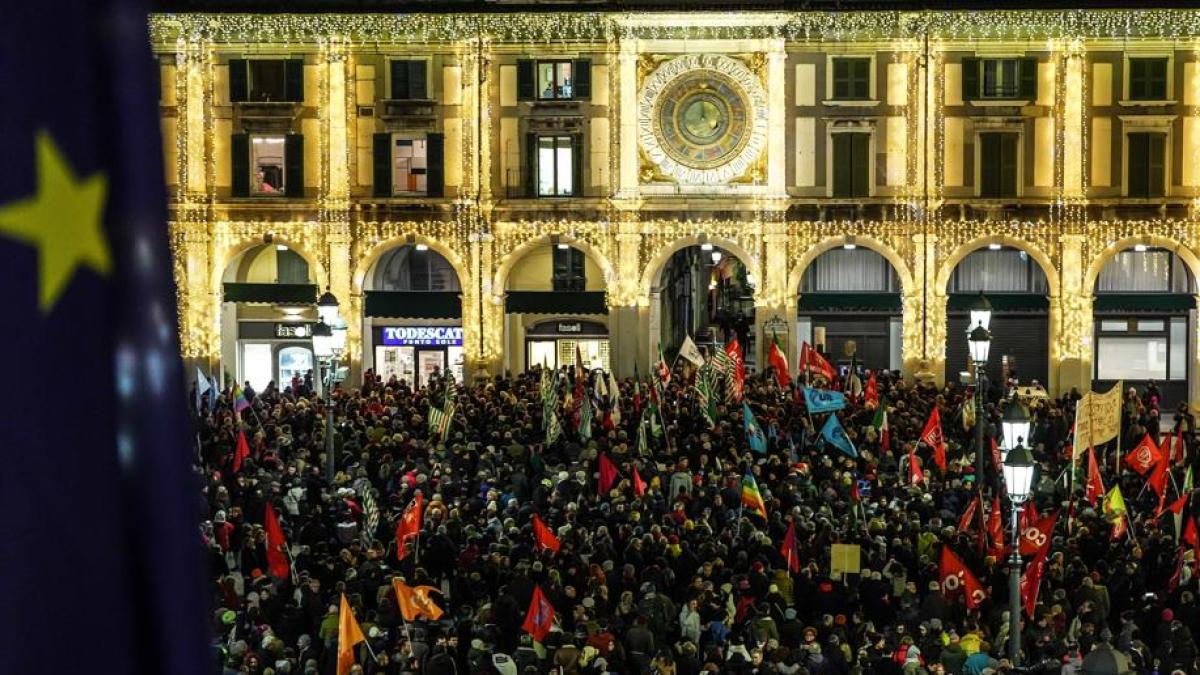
(702, 119)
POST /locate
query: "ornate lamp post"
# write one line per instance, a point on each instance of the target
(980, 342)
(329, 340)
(1018, 482)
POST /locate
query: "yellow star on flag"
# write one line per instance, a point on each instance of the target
(63, 221)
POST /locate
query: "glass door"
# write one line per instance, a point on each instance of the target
(294, 362)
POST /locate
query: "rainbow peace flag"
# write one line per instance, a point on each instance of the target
(751, 497)
(239, 399)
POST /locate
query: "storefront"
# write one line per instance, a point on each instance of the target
(553, 343)
(270, 351)
(415, 353)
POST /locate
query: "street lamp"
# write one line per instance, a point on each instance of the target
(327, 307)
(981, 312)
(1015, 425)
(329, 339)
(1018, 482)
(979, 340)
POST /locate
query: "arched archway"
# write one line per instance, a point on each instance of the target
(1103, 257)
(500, 282)
(236, 251)
(368, 261)
(897, 261)
(652, 274)
(1034, 251)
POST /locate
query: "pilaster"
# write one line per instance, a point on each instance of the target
(929, 363)
(1071, 335)
(626, 141)
(628, 343)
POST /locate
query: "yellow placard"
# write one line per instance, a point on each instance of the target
(1097, 418)
(845, 559)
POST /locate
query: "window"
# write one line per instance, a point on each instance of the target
(290, 267)
(1114, 326)
(998, 165)
(1148, 79)
(267, 162)
(409, 80)
(1131, 358)
(999, 79)
(851, 164)
(554, 80)
(266, 80)
(408, 165)
(1147, 164)
(555, 166)
(568, 269)
(851, 79)
(409, 168)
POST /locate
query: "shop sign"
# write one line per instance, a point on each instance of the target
(422, 336)
(292, 331)
(573, 327)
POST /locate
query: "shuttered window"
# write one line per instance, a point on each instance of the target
(999, 79)
(851, 164)
(851, 79)
(568, 269)
(998, 165)
(409, 80)
(1147, 164)
(1148, 79)
(555, 165)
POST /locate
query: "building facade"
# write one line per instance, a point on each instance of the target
(485, 192)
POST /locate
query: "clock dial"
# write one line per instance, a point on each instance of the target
(703, 120)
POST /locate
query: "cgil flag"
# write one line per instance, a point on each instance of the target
(1031, 582)
(957, 579)
(812, 363)
(932, 436)
(1095, 486)
(543, 537)
(409, 526)
(1037, 536)
(788, 549)
(871, 393)
(277, 557)
(540, 617)
(84, 242)
(835, 435)
(241, 452)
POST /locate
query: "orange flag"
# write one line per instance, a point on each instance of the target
(414, 601)
(349, 635)
(409, 527)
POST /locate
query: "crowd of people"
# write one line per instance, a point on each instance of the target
(667, 571)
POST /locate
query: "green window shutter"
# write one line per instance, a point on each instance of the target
(526, 81)
(1008, 165)
(239, 161)
(1156, 165)
(1138, 180)
(239, 84)
(399, 79)
(577, 165)
(1156, 79)
(582, 89)
(382, 164)
(418, 85)
(1137, 79)
(1027, 73)
(841, 79)
(293, 80)
(843, 158)
(861, 87)
(293, 165)
(970, 79)
(989, 165)
(578, 270)
(435, 161)
(531, 158)
(861, 164)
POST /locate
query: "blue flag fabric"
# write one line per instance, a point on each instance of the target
(823, 400)
(102, 570)
(835, 435)
(754, 433)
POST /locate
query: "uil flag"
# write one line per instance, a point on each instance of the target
(608, 474)
(277, 561)
(540, 616)
(543, 537)
(409, 527)
(349, 635)
(639, 485)
(932, 436)
(415, 602)
(779, 362)
(1144, 456)
(1095, 486)
(1031, 582)
(871, 393)
(964, 523)
(788, 549)
(241, 452)
(1036, 538)
(957, 578)
(835, 435)
(754, 433)
(84, 242)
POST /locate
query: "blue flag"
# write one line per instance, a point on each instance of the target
(823, 400)
(101, 540)
(754, 433)
(835, 435)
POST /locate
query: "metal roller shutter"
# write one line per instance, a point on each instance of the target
(1025, 338)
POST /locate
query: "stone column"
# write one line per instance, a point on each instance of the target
(774, 303)
(488, 357)
(627, 340)
(1071, 334)
(930, 360)
(626, 140)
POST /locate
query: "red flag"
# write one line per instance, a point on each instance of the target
(871, 392)
(932, 436)
(608, 474)
(1029, 516)
(1031, 582)
(540, 616)
(277, 561)
(788, 549)
(543, 537)
(409, 526)
(1158, 481)
(1095, 486)
(915, 474)
(1036, 538)
(996, 530)
(996, 461)
(242, 451)
(779, 362)
(964, 523)
(1190, 535)
(639, 485)
(1176, 506)
(1144, 456)
(813, 363)
(956, 577)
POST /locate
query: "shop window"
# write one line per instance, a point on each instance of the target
(1148, 79)
(290, 267)
(1179, 343)
(851, 79)
(409, 80)
(999, 79)
(257, 364)
(1131, 358)
(1147, 164)
(542, 353)
(294, 362)
(568, 269)
(1004, 270)
(554, 165)
(409, 165)
(267, 165)
(851, 164)
(1151, 326)
(858, 270)
(266, 80)
(1149, 271)
(998, 165)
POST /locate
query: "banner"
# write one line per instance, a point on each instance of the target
(1097, 418)
(845, 559)
(823, 400)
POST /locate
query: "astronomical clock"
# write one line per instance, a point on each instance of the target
(702, 120)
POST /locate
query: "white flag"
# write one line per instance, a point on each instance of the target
(691, 352)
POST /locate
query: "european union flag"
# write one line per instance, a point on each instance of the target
(102, 569)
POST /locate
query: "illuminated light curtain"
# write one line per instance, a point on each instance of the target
(1003, 271)
(857, 271)
(1143, 272)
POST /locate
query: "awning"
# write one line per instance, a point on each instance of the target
(862, 302)
(413, 304)
(555, 302)
(1143, 302)
(1001, 302)
(271, 294)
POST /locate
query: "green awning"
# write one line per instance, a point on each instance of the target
(861, 302)
(1143, 302)
(555, 302)
(1001, 302)
(271, 294)
(413, 304)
